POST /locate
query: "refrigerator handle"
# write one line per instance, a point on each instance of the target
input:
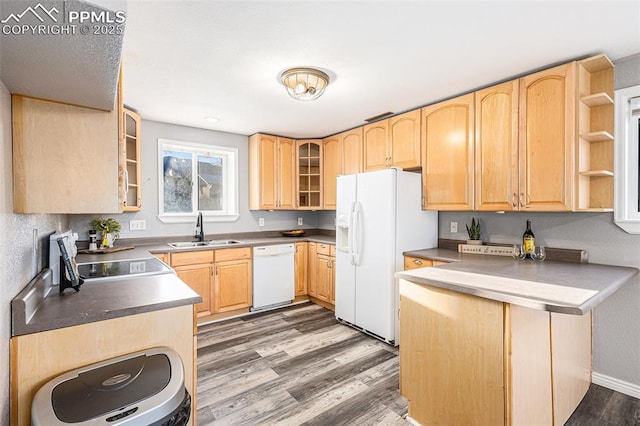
(357, 234)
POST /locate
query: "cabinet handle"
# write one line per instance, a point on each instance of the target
(522, 199)
(417, 261)
(514, 200)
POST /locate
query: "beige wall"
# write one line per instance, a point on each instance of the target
(18, 262)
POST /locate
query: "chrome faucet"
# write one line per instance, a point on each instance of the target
(200, 228)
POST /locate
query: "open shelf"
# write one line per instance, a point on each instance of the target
(597, 99)
(599, 136)
(595, 124)
(597, 173)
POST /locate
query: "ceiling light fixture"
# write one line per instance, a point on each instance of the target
(212, 119)
(304, 84)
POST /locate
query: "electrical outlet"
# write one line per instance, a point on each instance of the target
(454, 227)
(137, 225)
(300, 221)
(261, 221)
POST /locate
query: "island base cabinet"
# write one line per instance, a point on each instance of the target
(39, 357)
(471, 360)
(451, 357)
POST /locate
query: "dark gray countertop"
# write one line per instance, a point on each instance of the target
(146, 250)
(564, 287)
(39, 307)
(97, 300)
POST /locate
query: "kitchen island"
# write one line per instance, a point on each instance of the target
(487, 340)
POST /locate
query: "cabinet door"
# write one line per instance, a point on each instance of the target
(332, 162)
(311, 273)
(332, 280)
(198, 277)
(496, 162)
(65, 158)
(301, 268)
(352, 151)
(547, 134)
(286, 173)
(375, 147)
(130, 161)
(263, 172)
(323, 277)
(309, 187)
(447, 149)
(232, 288)
(404, 131)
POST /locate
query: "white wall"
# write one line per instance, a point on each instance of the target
(18, 265)
(248, 221)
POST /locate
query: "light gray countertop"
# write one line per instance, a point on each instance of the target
(563, 287)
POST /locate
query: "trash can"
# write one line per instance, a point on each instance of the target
(142, 388)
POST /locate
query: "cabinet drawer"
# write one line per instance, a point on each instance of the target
(325, 249)
(192, 257)
(233, 254)
(416, 262)
(333, 251)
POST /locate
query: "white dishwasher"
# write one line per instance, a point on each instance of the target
(273, 275)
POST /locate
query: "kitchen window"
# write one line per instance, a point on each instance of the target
(197, 178)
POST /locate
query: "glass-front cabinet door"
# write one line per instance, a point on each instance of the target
(309, 182)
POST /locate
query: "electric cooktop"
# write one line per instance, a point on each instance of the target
(120, 268)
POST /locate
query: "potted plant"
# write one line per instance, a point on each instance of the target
(474, 232)
(110, 229)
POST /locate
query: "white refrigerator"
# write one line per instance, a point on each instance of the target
(378, 217)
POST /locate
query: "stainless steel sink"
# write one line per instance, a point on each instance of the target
(222, 242)
(189, 244)
(210, 243)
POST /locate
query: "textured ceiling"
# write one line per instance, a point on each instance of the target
(185, 60)
(59, 64)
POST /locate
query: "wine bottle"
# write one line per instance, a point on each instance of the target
(528, 241)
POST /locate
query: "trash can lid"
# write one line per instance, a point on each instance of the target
(93, 393)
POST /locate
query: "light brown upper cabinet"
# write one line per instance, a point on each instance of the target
(342, 155)
(309, 174)
(332, 168)
(271, 172)
(595, 134)
(546, 139)
(392, 142)
(130, 161)
(447, 154)
(496, 147)
(65, 158)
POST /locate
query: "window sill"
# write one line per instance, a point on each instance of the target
(192, 218)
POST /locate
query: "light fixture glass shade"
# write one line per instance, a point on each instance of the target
(304, 84)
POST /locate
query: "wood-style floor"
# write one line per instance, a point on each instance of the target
(298, 365)
(295, 366)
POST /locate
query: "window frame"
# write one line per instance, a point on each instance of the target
(230, 177)
(627, 162)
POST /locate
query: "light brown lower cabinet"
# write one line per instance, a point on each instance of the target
(39, 357)
(321, 273)
(470, 360)
(221, 277)
(301, 261)
(232, 280)
(411, 262)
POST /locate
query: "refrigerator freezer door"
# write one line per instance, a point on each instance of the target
(375, 284)
(345, 285)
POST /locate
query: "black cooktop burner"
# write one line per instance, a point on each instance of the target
(118, 268)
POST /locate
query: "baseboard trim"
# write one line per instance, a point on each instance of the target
(616, 384)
